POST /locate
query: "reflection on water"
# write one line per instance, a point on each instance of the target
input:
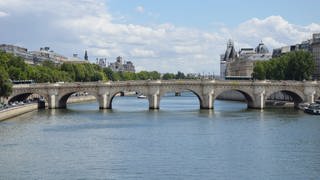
(179, 141)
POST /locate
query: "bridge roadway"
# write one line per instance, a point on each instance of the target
(255, 92)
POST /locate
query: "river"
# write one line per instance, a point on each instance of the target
(179, 141)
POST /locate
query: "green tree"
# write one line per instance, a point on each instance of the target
(297, 65)
(143, 75)
(80, 72)
(5, 84)
(300, 65)
(69, 68)
(154, 75)
(49, 64)
(259, 71)
(180, 75)
(110, 75)
(128, 76)
(16, 73)
(168, 76)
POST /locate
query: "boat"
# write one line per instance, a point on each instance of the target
(141, 96)
(313, 108)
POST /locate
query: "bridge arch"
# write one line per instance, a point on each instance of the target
(317, 95)
(63, 97)
(22, 96)
(247, 94)
(196, 90)
(122, 91)
(296, 95)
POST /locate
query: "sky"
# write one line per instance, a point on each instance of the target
(165, 36)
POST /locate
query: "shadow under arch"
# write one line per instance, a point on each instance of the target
(181, 92)
(285, 96)
(235, 95)
(123, 93)
(78, 96)
(28, 96)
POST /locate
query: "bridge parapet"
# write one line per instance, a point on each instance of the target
(256, 92)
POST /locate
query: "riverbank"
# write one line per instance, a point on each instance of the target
(17, 111)
(80, 99)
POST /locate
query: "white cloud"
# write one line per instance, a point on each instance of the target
(143, 53)
(75, 25)
(274, 29)
(3, 14)
(140, 9)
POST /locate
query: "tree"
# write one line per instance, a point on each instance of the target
(128, 76)
(143, 75)
(259, 71)
(180, 75)
(49, 64)
(69, 68)
(168, 76)
(297, 65)
(154, 75)
(110, 75)
(300, 65)
(5, 84)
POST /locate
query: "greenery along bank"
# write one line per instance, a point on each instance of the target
(14, 68)
(296, 65)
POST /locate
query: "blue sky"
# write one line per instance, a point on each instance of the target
(205, 13)
(166, 36)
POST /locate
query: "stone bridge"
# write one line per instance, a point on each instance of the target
(255, 92)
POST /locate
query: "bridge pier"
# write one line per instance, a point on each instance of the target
(206, 102)
(154, 101)
(53, 100)
(258, 99)
(309, 93)
(258, 102)
(104, 101)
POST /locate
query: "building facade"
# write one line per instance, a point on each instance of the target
(311, 45)
(315, 49)
(122, 66)
(45, 54)
(18, 51)
(229, 56)
(240, 65)
(102, 62)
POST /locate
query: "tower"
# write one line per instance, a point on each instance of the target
(86, 55)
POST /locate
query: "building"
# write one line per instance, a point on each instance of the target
(86, 56)
(75, 59)
(311, 45)
(45, 54)
(240, 65)
(315, 49)
(18, 51)
(229, 56)
(223, 67)
(122, 66)
(102, 62)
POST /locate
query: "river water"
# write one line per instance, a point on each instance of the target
(177, 142)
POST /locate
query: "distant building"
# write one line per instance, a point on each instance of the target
(86, 55)
(223, 67)
(75, 59)
(311, 45)
(102, 62)
(120, 66)
(45, 54)
(285, 49)
(229, 56)
(18, 51)
(240, 65)
(315, 49)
